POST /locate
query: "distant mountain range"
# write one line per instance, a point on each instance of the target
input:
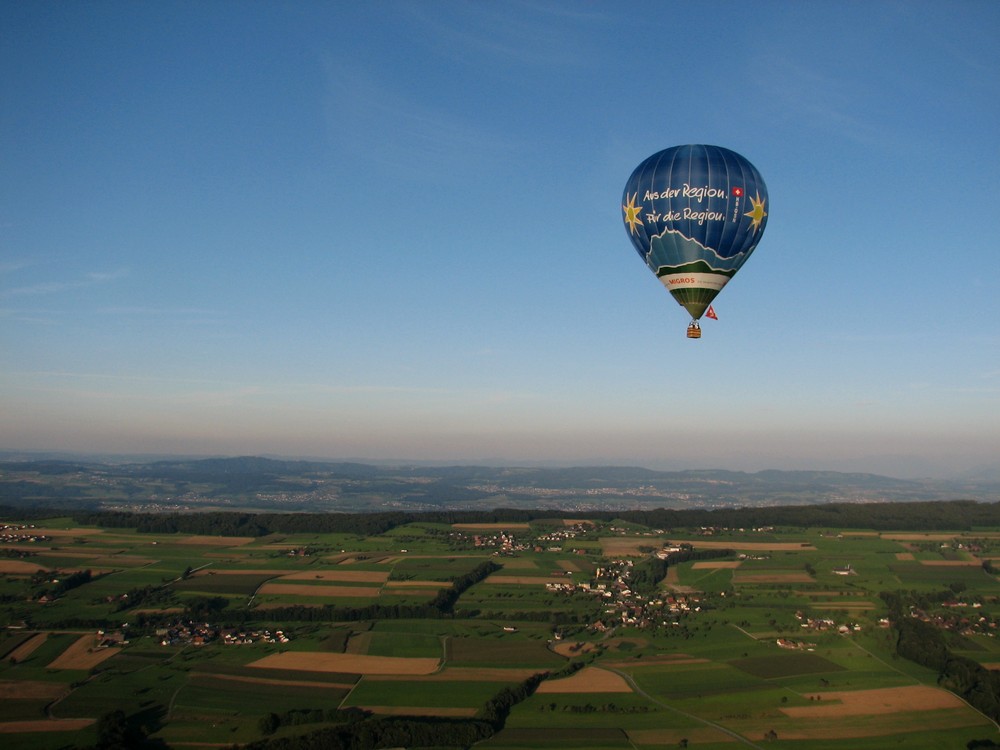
(258, 483)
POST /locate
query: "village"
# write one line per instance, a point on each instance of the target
(201, 634)
(21, 534)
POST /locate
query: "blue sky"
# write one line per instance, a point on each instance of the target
(394, 230)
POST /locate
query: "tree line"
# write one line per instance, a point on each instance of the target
(955, 514)
(415, 731)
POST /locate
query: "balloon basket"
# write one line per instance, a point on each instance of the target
(694, 331)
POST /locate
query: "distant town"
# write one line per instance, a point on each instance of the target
(257, 484)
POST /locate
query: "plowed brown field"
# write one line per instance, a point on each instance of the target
(313, 661)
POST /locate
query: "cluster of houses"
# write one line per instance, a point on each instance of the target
(823, 624)
(21, 534)
(559, 536)
(201, 634)
(503, 542)
(713, 530)
(623, 606)
(960, 620)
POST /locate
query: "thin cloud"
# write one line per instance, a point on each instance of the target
(538, 35)
(803, 93)
(56, 287)
(10, 266)
(167, 312)
(367, 116)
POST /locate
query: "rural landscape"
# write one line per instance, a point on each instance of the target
(824, 626)
(532, 375)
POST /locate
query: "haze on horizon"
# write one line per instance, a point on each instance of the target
(393, 231)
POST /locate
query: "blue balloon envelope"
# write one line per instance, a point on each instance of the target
(695, 214)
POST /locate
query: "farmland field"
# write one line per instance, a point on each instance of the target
(778, 636)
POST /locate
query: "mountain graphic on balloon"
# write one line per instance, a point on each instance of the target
(672, 250)
(695, 214)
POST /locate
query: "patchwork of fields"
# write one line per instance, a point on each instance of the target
(775, 637)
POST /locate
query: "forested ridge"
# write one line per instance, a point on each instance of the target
(962, 515)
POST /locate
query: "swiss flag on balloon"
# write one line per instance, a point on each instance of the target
(738, 192)
(710, 313)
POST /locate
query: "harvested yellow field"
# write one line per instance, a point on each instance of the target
(361, 576)
(25, 650)
(919, 537)
(216, 541)
(305, 589)
(904, 556)
(877, 702)
(356, 557)
(568, 565)
(19, 567)
(587, 680)
(44, 725)
(83, 654)
(32, 690)
(462, 674)
(319, 661)
(873, 725)
(722, 564)
(622, 546)
(951, 563)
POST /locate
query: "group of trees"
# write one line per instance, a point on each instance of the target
(927, 645)
(647, 575)
(270, 723)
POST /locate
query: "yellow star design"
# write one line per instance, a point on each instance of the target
(632, 212)
(758, 213)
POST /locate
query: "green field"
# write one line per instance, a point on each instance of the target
(784, 639)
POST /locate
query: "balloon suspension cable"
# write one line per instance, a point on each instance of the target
(694, 330)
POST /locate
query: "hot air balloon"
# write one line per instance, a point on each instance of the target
(695, 214)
